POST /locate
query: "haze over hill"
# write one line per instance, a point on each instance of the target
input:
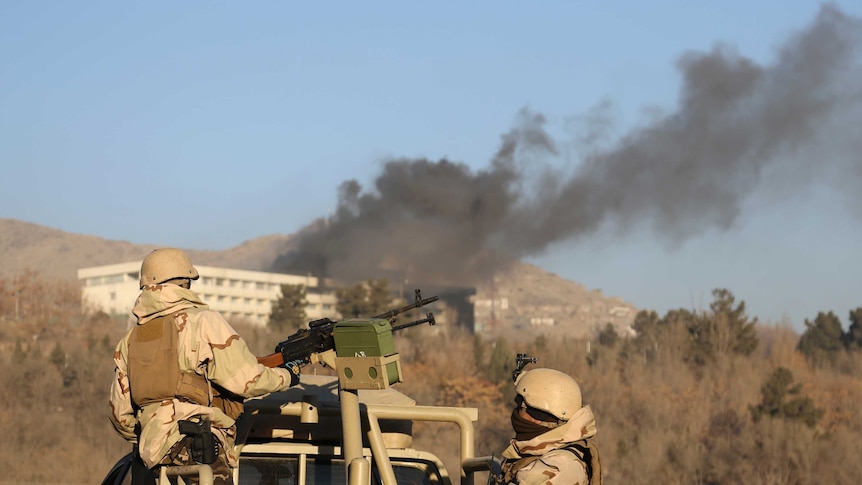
(520, 296)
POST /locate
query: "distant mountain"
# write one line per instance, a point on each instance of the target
(59, 254)
(521, 298)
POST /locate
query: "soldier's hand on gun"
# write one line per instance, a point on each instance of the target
(294, 366)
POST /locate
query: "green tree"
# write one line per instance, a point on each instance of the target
(540, 343)
(379, 296)
(647, 325)
(823, 339)
(365, 299)
(663, 339)
(288, 312)
(853, 337)
(775, 402)
(501, 362)
(609, 337)
(724, 330)
(731, 329)
(58, 356)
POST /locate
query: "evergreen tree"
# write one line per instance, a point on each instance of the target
(609, 337)
(732, 331)
(500, 362)
(822, 339)
(352, 301)
(660, 337)
(646, 325)
(724, 330)
(288, 312)
(58, 356)
(775, 403)
(365, 299)
(379, 296)
(853, 337)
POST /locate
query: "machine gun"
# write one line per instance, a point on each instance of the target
(319, 337)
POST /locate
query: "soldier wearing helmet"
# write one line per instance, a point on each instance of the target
(183, 367)
(553, 432)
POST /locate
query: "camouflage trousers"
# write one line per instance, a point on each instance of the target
(180, 455)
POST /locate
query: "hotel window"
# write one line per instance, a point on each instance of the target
(114, 278)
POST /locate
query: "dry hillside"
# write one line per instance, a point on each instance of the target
(527, 298)
(524, 296)
(59, 254)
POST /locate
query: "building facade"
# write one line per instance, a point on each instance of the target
(237, 294)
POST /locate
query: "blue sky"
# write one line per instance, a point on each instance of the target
(204, 124)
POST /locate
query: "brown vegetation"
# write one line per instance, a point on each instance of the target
(661, 418)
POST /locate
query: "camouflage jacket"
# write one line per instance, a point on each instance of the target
(553, 463)
(208, 346)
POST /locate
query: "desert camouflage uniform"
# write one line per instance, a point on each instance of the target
(555, 465)
(207, 345)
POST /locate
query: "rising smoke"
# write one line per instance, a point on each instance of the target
(737, 125)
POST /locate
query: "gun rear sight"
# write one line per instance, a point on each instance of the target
(521, 360)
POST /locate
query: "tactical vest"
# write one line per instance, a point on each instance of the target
(154, 370)
(586, 452)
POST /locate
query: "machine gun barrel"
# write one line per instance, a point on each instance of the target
(418, 302)
(429, 318)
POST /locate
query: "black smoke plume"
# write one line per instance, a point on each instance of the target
(738, 125)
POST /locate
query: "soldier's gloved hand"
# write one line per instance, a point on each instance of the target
(294, 365)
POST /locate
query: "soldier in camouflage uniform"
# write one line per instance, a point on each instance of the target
(553, 432)
(183, 362)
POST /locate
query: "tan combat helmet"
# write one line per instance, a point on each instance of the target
(166, 264)
(551, 391)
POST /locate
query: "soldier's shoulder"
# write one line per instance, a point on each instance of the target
(204, 314)
(565, 454)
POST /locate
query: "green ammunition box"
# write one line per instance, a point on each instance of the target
(366, 338)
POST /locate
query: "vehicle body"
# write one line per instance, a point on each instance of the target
(324, 431)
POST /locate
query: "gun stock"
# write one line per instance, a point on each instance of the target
(271, 360)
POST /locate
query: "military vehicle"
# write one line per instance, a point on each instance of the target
(349, 428)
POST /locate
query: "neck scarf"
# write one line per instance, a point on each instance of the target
(524, 429)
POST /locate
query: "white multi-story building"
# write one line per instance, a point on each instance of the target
(235, 293)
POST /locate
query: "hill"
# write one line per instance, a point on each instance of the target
(524, 297)
(59, 254)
